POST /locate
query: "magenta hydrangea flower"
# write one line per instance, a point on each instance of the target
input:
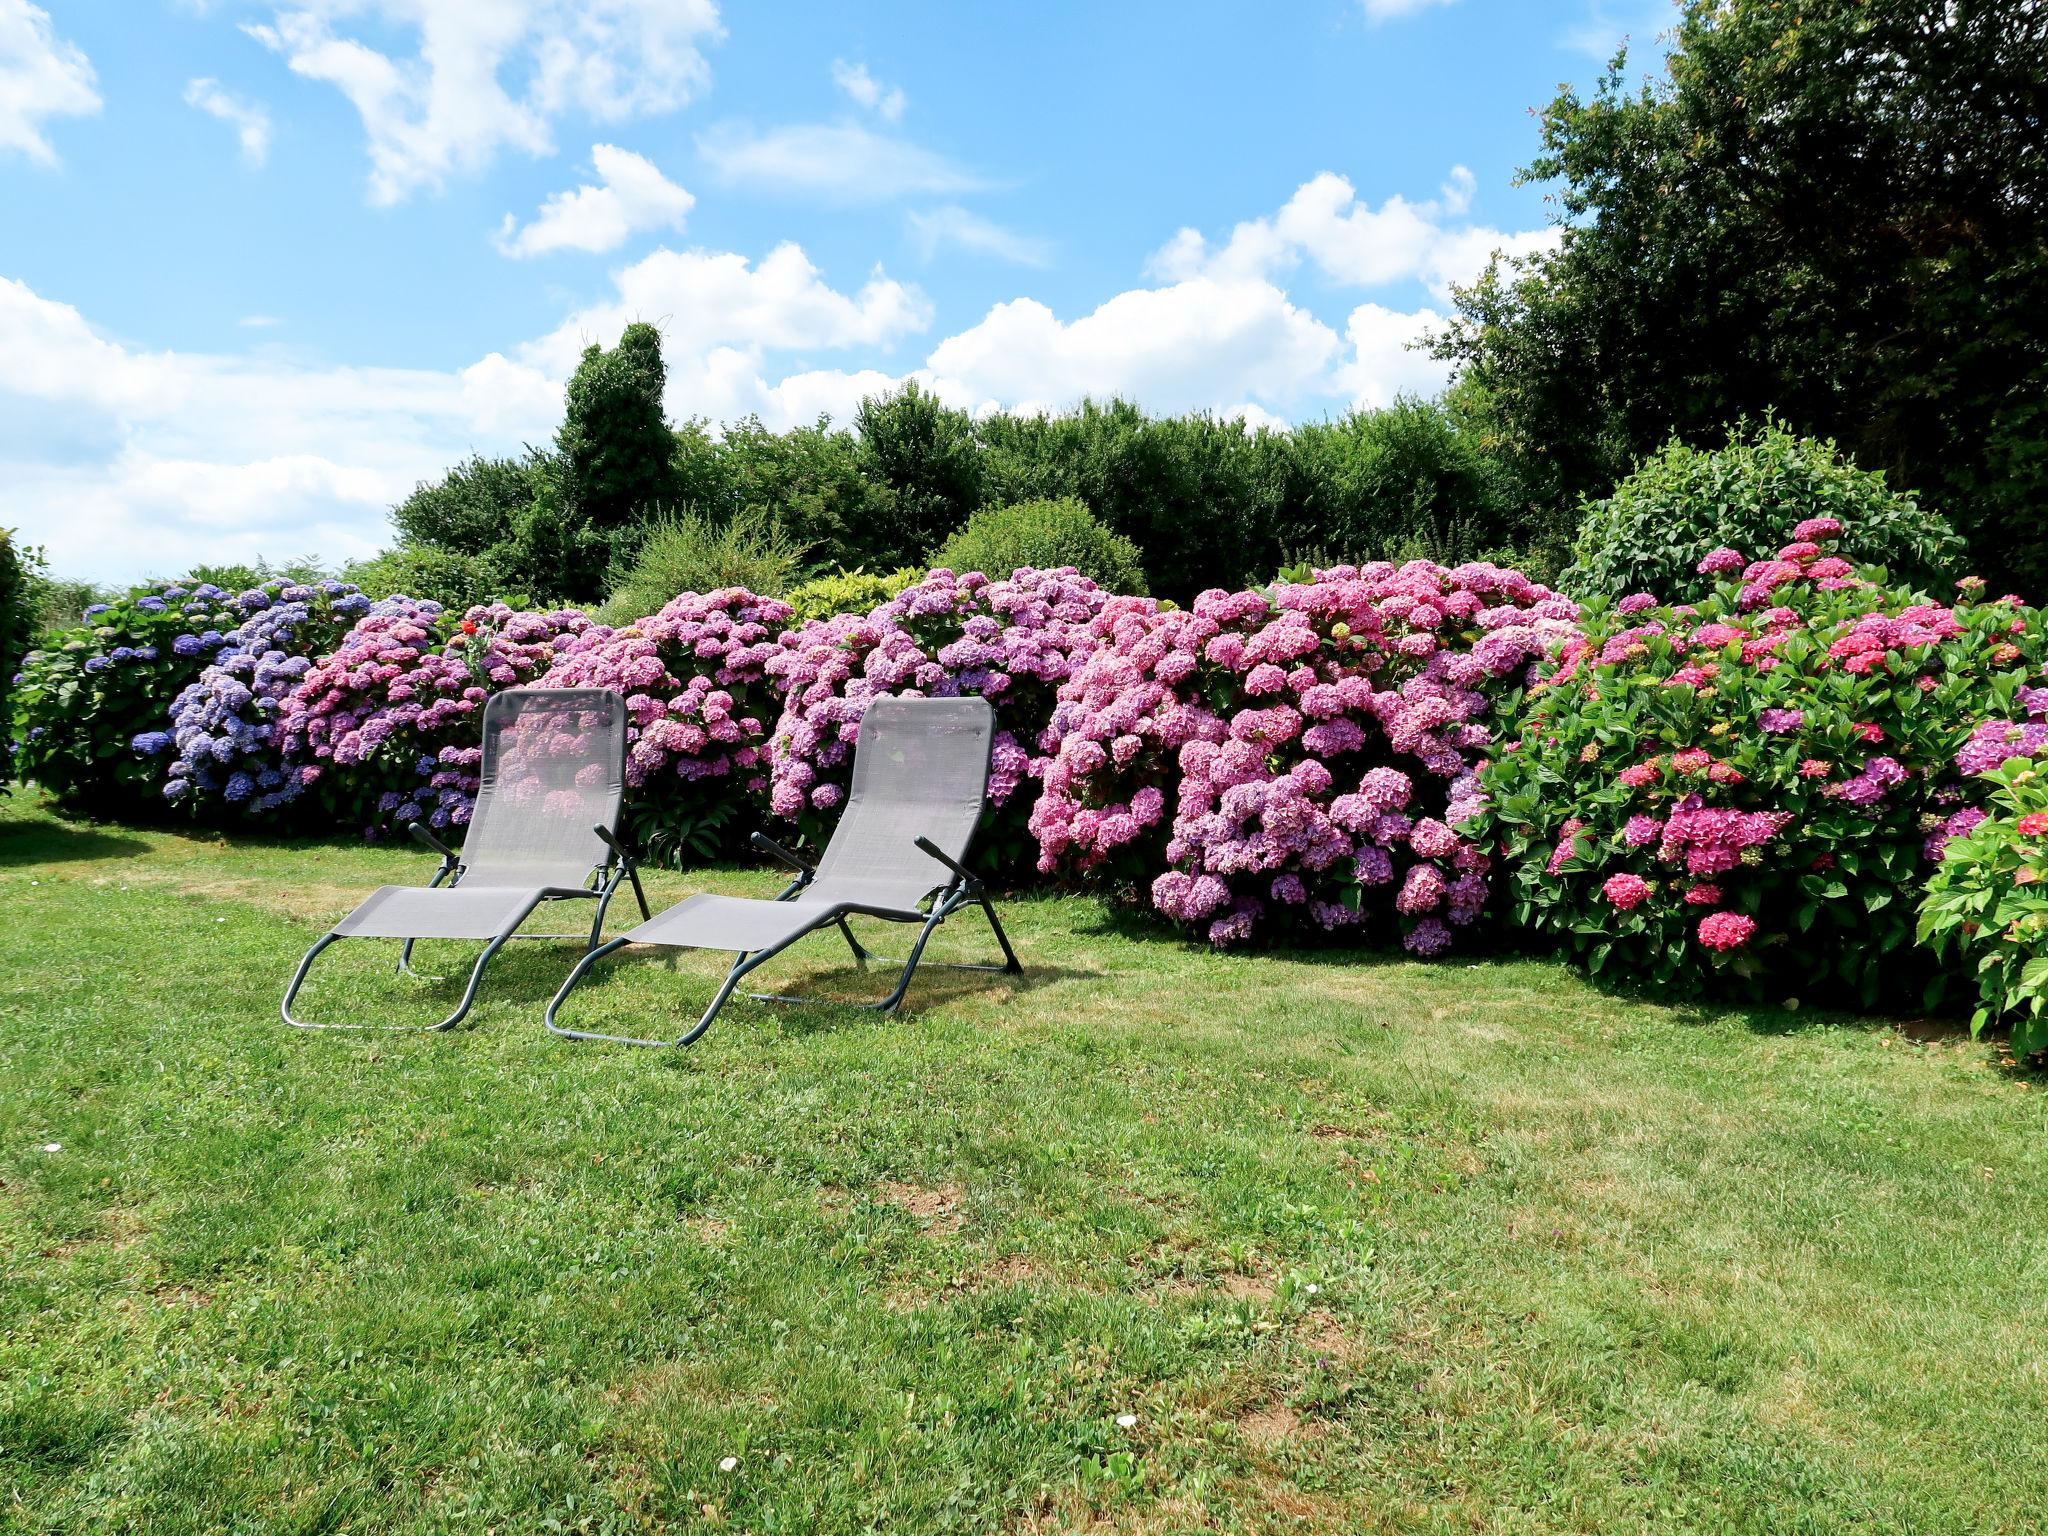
(386, 727)
(1625, 891)
(694, 677)
(1726, 930)
(1303, 746)
(1013, 641)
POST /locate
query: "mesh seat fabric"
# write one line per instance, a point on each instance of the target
(920, 769)
(554, 767)
(457, 912)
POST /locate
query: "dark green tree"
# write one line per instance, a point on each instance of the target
(1408, 480)
(470, 508)
(922, 455)
(1836, 209)
(617, 452)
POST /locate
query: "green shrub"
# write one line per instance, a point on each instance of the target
(1683, 503)
(1738, 795)
(80, 703)
(1988, 901)
(454, 580)
(848, 592)
(19, 569)
(1043, 535)
(690, 553)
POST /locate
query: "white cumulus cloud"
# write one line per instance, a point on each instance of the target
(41, 76)
(125, 461)
(249, 120)
(630, 197)
(885, 101)
(1350, 241)
(1204, 343)
(491, 74)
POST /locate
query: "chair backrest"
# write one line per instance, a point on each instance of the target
(554, 767)
(920, 769)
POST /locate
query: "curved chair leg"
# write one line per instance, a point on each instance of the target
(740, 967)
(889, 1004)
(462, 1008)
(1011, 964)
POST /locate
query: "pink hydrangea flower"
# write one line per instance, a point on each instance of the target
(1726, 930)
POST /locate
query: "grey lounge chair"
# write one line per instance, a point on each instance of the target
(544, 830)
(920, 775)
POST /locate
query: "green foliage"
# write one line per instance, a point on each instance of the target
(922, 455)
(848, 592)
(454, 580)
(82, 701)
(1833, 209)
(690, 553)
(1045, 535)
(809, 479)
(20, 568)
(616, 447)
(1736, 796)
(1407, 482)
(1683, 503)
(1988, 904)
(1208, 502)
(473, 507)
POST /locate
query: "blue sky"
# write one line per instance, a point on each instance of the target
(265, 265)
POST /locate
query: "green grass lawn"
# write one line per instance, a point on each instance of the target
(1153, 1240)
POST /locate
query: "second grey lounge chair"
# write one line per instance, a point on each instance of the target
(920, 777)
(544, 830)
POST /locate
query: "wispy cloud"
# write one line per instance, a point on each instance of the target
(835, 162)
(1605, 26)
(41, 76)
(448, 109)
(249, 120)
(886, 102)
(1388, 10)
(963, 230)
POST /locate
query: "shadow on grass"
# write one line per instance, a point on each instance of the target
(648, 1003)
(59, 842)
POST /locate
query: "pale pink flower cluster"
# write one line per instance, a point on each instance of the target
(695, 680)
(397, 706)
(1012, 641)
(1294, 756)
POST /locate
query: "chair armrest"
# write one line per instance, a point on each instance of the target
(617, 844)
(967, 876)
(780, 854)
(424, 837)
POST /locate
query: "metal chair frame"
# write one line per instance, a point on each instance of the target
(605, 879)
(964, 890)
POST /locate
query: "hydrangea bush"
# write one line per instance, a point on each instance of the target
(221, 739)
(76, 705)
(699, 707)
(1012, 642)
(1752, 789)
(1987, 900)
(385, 730)
(1300, 758)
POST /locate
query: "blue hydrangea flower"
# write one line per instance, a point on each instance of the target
(152, 743)
(97, 609)
(151, 604)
